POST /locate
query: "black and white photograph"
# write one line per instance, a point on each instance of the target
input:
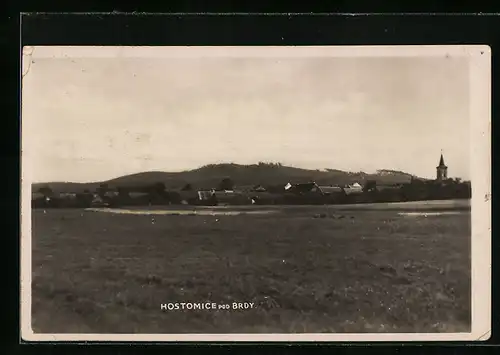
(256, 193)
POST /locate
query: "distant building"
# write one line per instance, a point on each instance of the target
(441, 170)
(381, 188)
(302, 188)
(98, 201)
(312, 187)
(353, 189)
(259, 188)
(330, 190)
(205, 195)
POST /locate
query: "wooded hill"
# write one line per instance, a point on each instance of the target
(209, 176)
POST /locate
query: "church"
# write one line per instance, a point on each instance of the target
(441, 170)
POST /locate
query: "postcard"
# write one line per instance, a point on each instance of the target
(310, 193)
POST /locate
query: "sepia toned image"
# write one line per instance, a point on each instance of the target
(256, 193)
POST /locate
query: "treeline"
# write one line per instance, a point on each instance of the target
(371, 193)
(154, 194)
(225, 192)
(260, 163)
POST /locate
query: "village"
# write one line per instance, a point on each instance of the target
(229, 193)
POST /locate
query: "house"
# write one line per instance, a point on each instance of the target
(206, 195)
(109, 195)
(259, 188)
(98, 201)
(225, 197)
(354, 188)
(380, 188)
(302, 188)
(330, 190)
(306, 193)
(313, 188)
(225, 193)
(67, 195)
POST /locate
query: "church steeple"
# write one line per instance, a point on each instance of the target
(441, 161)
(441, 169)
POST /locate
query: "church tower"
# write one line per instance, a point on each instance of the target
(441, 170)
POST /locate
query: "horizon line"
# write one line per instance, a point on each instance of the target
(230, 163)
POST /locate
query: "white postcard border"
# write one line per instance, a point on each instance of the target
(480, 136)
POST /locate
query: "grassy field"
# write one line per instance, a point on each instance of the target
(345, 271)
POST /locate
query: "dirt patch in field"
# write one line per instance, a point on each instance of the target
(179, 212)
(429, 214)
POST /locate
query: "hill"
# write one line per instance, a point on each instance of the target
(243, 175)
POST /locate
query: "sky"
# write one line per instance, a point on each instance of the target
(92, 119)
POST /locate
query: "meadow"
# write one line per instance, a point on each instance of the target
(310, 269)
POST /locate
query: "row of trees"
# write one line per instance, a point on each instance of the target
(415, 191)
(157, 194)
